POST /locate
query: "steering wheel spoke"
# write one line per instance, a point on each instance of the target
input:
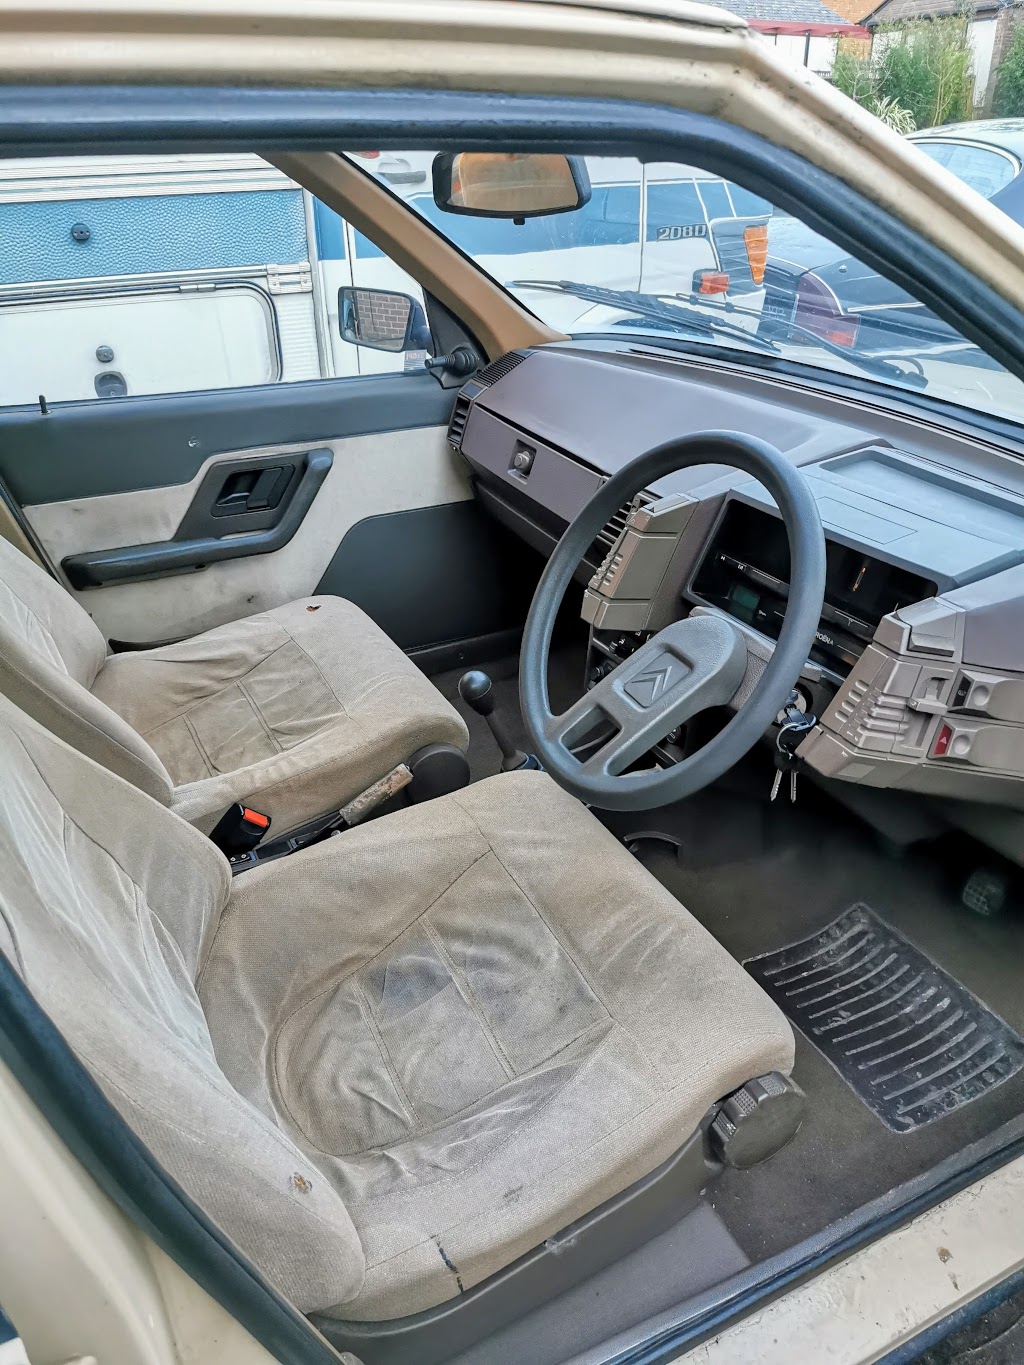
(685, 668)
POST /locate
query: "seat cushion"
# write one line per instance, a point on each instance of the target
(294, 711)
(480, 1018)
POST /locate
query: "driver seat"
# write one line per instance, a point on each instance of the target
(388, 1065)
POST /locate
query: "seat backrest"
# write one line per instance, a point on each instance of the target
(108, 904)
(50, 654)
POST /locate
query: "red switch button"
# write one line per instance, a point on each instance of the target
(942, 742)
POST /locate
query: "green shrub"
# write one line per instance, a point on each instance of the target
(925, 68)
(857, 77)
(899, 119)
(1008, 100)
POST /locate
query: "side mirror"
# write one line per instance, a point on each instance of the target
(382, 319)
(509, 184)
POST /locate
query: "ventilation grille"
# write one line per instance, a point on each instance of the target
(499, 368)
(606, 538)
(457, 424)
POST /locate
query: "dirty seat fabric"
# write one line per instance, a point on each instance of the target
(108, 903)
(388, 1065)
(480, 1018)
(294, 711)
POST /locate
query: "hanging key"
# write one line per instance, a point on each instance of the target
(795, 725)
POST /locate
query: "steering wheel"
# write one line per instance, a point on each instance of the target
(685, 668)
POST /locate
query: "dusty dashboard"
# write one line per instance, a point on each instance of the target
(917, 671)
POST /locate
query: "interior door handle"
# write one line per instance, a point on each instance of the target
(269, 489)
(268, 531)
(252, 490)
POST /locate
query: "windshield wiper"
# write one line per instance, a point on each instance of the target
(675, 310)
(657, 307)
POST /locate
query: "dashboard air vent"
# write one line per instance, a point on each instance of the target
(606, 538)
(457, 423)
(499, 368)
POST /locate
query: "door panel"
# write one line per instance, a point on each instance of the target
(432, 574)
(244, 506)
(149, 473)
(370, 475)
(85, 450)
(165, 474)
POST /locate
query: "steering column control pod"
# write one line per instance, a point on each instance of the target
(477, 691)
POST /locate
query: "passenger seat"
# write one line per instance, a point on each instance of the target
(293, 712)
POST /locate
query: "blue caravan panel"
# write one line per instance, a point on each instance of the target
(145, 235)
(330, 233)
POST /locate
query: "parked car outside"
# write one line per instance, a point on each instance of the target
(815, 292)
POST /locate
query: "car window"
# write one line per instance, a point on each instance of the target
(125, 276)
(983, 168)
(718, 266)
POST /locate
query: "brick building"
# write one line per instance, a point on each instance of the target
(807, 32)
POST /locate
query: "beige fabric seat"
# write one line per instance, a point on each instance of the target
(294, 711)
(390, 1064)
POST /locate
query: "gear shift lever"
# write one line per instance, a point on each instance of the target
(477, 691)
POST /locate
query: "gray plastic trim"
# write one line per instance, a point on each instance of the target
(431, 575)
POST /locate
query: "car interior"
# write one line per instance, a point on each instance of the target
(526, 841)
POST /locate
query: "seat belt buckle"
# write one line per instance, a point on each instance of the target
(239, 830)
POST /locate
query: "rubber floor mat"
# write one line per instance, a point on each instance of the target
(908, 1039)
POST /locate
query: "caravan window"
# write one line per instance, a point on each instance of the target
(124, 276)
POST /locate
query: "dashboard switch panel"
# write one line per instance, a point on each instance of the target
(914, 714)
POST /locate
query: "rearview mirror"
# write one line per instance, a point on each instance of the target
(382, 319)
(509, 184)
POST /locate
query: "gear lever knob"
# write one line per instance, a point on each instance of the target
(477, 691)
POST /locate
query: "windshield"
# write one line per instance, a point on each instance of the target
(666, 250)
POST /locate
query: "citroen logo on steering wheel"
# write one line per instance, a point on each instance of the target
(647, 687)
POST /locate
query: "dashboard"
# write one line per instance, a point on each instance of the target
(916, 674)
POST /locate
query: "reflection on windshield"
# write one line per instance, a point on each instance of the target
(670, 250)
